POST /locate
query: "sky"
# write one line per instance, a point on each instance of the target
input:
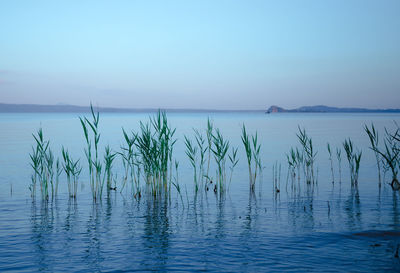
(201, 54)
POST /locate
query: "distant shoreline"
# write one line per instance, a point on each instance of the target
(39, 108)
(327, 109)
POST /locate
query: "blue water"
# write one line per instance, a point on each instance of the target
(331, 227)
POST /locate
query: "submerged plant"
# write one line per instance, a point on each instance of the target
(252, 149)
(374, 140)
(354, 158)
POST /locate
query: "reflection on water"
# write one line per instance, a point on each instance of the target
(42, 224)
(161, 234)
(352, 208)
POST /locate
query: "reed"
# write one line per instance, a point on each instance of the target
(292, 165)
(374, 140)
(276, 177)
(35, 164)
(390, 156)
(155, 147)
(191, 152)
(300, 163)
(176, 183)
(202, 153)
(331, 161)
(67, 169)
(309, 155)
(339, 159)
(128, 161)
(220, 149)
(234, 161)
(72, 169)
(147, 149)
(164, 134)
(59, 170)
(42, 162)
(209, 134)
(109, 157)
(252, 149)
(49, 162)
(354, 158)
(95, 166)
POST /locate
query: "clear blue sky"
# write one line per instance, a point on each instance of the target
(201, 54)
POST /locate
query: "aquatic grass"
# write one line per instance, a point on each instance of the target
(67, 169)
(293, 163)
(191, 152)
(209, 134)
(276, 177)
(339, 159)
(390, 156)
(309, 155)
(202, 153)
(128, 161)
(176, 184)
(99, 181)
(95, 166)
(331, 161)
(234, 161)
(165, 134)
(220, 149)
(155, 152)
(35, 164)
(300, 163)
(49, 159)
(147, 152)
(59, 170)
(374, 140)
(72, 169)
(354, 158)
(252, 149)
(42, 162)
(109, 157)
(196, 161)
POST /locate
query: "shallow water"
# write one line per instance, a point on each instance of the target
(326, 228)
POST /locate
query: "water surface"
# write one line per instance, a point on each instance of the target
(326, 228)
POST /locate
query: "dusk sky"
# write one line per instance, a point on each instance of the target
(201, 54)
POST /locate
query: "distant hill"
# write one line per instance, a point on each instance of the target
(65, 108)
(328, 109)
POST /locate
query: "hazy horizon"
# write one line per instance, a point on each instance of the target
(228, 55)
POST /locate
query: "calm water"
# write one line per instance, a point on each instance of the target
(331, 227)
